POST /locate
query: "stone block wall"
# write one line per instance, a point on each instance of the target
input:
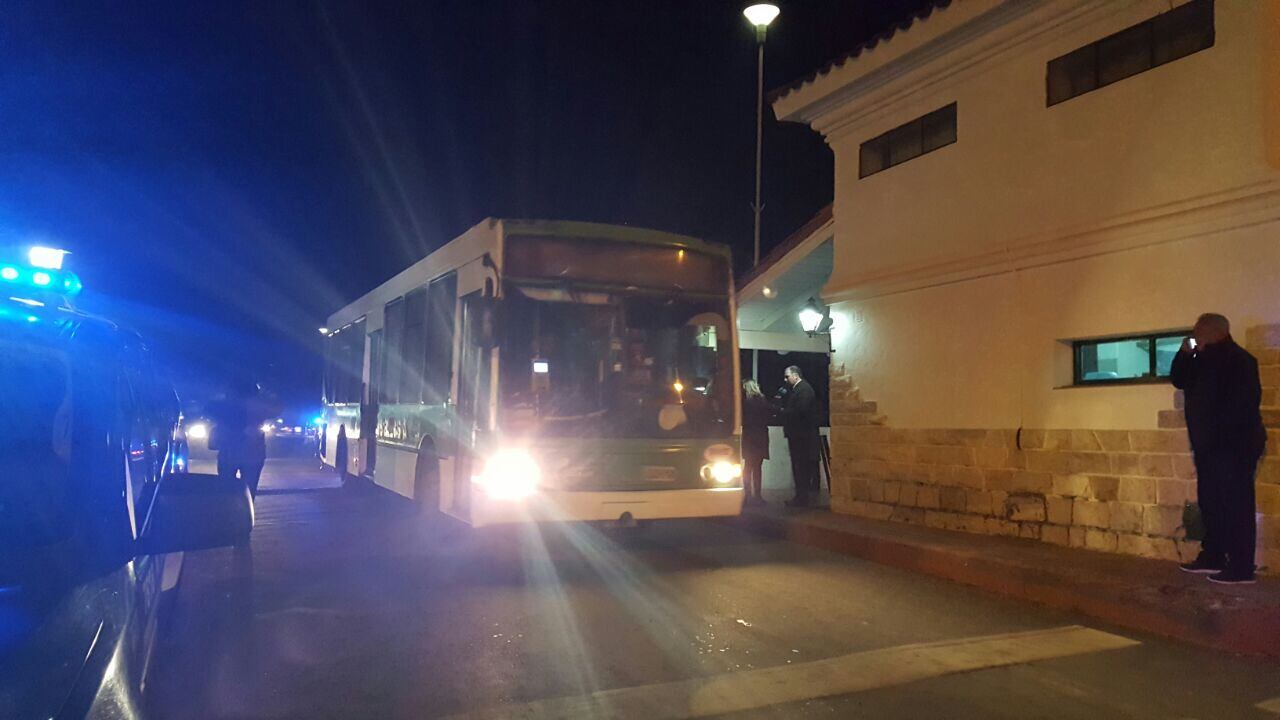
(1111, 490)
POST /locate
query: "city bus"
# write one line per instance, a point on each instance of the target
(543, 370)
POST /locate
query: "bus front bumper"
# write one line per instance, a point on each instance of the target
(579, 506)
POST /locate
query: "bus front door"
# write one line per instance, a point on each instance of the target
(472, 410)
(369, 406)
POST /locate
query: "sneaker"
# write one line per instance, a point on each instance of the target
(1233, 577)
(1203, 566)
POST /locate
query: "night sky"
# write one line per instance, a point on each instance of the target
(226, 175)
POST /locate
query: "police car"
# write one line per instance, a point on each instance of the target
(95, 507)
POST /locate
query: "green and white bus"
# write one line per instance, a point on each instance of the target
(539, 370)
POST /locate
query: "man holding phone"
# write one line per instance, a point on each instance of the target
(800, 422)
(1223, 394)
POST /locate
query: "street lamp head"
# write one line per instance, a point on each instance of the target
(323, 330)
(809, 319)
(815, 318)
(760, 15)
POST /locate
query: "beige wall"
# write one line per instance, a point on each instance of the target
(1022, 173)
(989, 352)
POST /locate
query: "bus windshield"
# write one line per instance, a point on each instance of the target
(630, 365)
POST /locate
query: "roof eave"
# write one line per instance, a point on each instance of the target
(807, 99)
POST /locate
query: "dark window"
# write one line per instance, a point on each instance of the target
(905, 142)
(1124, 54)
(938, 128)
(344, 366)
(414, 351)
(438, 374)
(1183, 31)
(1167, 37)
(1141, 358)
(1073, 74)
(377, 367)
(872, 158)
(393, 325)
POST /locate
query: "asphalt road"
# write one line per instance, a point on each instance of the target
(346, 606)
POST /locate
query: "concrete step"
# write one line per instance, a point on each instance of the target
(1152, 596)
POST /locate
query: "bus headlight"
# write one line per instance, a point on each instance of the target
(722, 472)
(510, 475)
(198, 431)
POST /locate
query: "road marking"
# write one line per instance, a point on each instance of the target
(1271, 706)
(858, 672)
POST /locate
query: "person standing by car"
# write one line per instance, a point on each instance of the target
(800, 426)
(1224, 424)
(756, 414)
(237, 432)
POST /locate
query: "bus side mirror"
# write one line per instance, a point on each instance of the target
(195, 512)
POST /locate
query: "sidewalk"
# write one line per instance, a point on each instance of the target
(1148, 595)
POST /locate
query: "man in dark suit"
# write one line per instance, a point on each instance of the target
(1220, 380)
(800, 419)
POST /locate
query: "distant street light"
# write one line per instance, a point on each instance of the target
(324, 331)
(760, 16)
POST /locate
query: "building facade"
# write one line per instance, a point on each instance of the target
(1034, 200)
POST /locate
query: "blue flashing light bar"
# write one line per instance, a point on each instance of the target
(46, 258)
(62, 282)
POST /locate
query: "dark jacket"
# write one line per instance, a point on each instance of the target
(237, 422)
(757, 412)
(1222, 398)
(800, 412)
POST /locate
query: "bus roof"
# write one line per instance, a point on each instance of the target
(483, 237)
(603, 231)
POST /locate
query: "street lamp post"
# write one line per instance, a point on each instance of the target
(760, 16)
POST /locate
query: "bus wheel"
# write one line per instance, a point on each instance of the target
(426, 484)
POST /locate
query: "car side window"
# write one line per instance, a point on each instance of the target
(148, 436)
(36, 418)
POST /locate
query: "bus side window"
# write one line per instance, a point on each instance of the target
(393, 326)
(416, 312)
(438, 374)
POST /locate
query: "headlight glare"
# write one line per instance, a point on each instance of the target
(722, 472)
(510, 475)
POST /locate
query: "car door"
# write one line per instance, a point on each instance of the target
(150, 423)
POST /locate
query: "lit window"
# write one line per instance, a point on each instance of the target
(1141, 358)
